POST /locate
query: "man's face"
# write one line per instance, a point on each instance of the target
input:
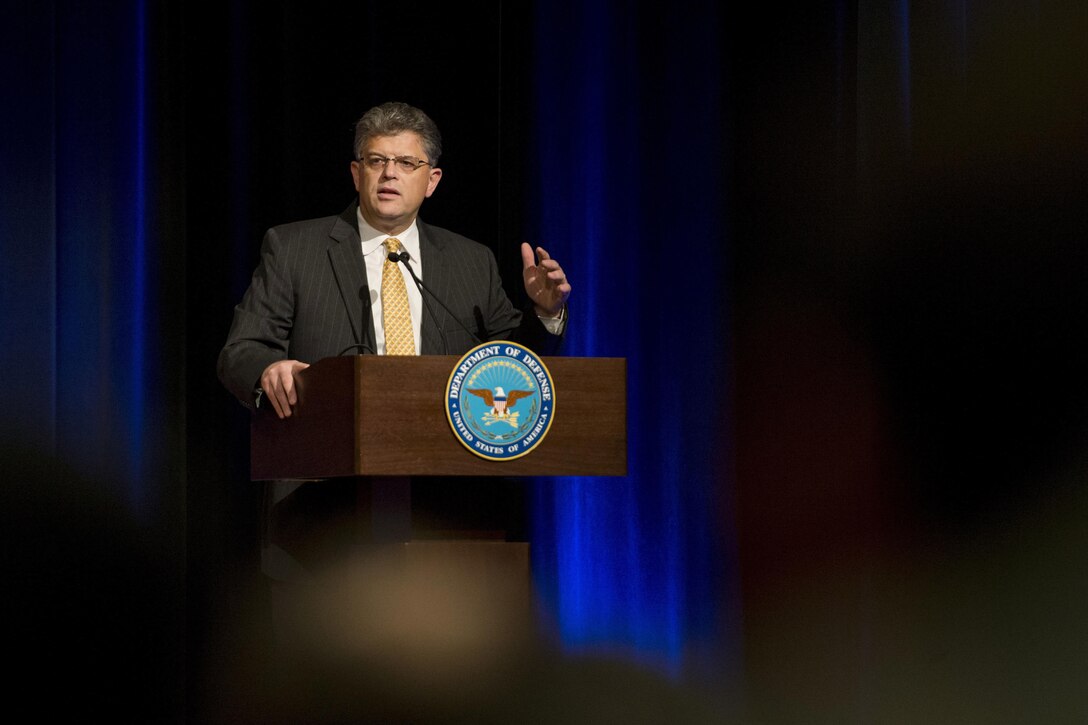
(390, 197)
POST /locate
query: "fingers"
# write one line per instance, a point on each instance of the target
(554, 272)
(278, 383)
(527, 258)
(546, 261)
(279, 391)
(545, 281)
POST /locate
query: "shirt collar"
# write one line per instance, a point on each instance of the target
(373, 239)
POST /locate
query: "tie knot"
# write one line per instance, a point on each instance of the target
(392, 244)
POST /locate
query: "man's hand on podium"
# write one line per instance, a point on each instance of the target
(278, 384)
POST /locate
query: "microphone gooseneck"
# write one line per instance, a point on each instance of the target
(366, 345)
(404, 257)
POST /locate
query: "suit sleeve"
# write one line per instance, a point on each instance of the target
(261, 328)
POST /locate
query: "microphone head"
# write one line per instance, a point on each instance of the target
(393, 257)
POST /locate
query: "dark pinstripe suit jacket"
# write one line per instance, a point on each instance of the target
(309, 299)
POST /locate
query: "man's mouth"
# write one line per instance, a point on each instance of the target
(387, 191)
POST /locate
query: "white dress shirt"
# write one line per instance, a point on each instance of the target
(374, 255)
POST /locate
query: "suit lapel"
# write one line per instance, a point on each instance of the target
(436, 277)
(346, 257)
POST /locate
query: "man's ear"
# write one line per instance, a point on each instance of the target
(356, 170)
(432, 183)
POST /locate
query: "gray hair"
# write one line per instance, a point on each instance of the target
(390, 119)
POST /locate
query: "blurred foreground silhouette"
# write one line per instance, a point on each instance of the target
(425, 633)
(92, 606)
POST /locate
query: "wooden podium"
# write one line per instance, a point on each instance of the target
(372, 415)
(377, 424)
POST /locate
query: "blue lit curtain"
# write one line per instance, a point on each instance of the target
(84, 339)
(629, 191)
(91, 334)
(863, 112)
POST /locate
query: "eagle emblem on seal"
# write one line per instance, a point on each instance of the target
(500, 403)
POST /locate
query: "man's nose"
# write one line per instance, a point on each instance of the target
(389, 169)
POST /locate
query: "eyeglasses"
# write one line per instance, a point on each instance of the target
(407, 164)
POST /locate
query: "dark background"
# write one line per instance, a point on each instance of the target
(896, 294)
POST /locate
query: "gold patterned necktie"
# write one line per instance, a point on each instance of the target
(400, 339)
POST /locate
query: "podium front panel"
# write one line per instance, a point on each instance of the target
(373, 415)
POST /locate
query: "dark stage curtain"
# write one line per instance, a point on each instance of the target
(909, 215)
(92, 286)
(841, 248)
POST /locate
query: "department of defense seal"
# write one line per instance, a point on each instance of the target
(500, 400)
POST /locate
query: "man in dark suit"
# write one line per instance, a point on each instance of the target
(317, 290)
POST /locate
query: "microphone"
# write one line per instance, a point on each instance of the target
(365, 345)
(403, 257)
